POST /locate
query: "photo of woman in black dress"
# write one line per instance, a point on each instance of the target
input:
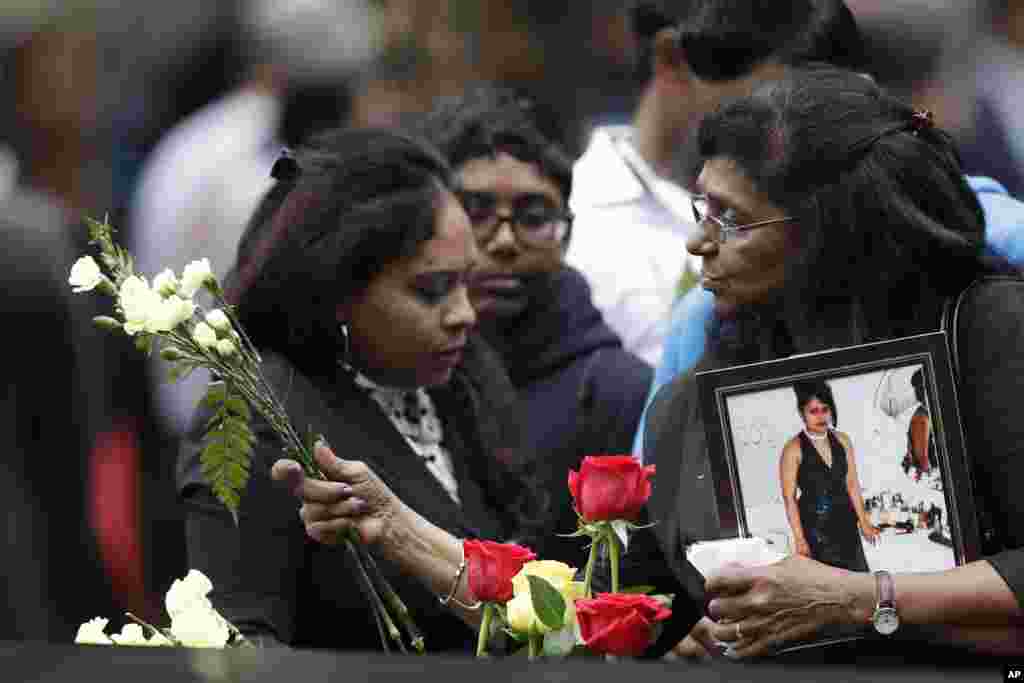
(820, 487)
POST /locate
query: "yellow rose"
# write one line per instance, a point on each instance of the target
(521, 617)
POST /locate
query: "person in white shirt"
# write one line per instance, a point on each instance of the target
(632, 217)
(203, 180)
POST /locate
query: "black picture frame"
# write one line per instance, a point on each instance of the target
(941, 529)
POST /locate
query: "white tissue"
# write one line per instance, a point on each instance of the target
(710, 556)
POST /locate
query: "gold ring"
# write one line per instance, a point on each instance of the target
(739, 633)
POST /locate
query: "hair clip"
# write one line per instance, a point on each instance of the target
(286, 168)
(922, 119)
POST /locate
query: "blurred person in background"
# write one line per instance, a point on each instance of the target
(71, 544)
(728, 54)
(580, 391)
(983, 86)
(201, 183)
(632, 216)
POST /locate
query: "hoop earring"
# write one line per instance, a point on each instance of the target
(346, 344)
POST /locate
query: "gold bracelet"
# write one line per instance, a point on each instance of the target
(455, 587)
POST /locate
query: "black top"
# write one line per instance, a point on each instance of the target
(827, 515)
(991, 325)
(580, 393)
(271, 580)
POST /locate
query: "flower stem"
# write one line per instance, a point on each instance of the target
(385, 626)
(613, 558)
(391, 598)
(536, 645)
(588, 576)
(485, 631)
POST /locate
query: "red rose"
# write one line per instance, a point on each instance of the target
(618, 623)
(610, 487)
(491, 567)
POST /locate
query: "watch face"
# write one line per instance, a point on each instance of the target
(886, 620)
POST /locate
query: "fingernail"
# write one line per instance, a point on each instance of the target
(713, 609)
(344, 488)
(359, 504)
(315, 532)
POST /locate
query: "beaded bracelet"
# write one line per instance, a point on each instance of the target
(455, 587)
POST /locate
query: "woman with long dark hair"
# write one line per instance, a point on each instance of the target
(352, 280)
(832, 215)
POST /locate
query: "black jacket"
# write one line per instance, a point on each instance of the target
(271, 580)
(580, 393)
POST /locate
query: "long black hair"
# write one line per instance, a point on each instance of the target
(345, 206)
(354, 202)
(887, 225)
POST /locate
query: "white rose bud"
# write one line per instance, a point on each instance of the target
(132, 634)
(226, 347)
(195, 276)
(200, 628)
(139, 303)
(172, 312)
(85, 275)
(188, 593)
(91, 632)
(165, 283)
(204, 336)
(218, 320)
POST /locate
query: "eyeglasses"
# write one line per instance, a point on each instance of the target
(727, 229)
(534, 221)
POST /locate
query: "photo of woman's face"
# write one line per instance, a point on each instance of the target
(817, 415)
(408, 327)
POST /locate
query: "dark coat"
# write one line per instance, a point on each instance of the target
(580, 393)
(270, 579)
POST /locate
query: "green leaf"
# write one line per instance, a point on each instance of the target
(638, 590)
(144, 343)
(621, 529)
(548, 603)
(216, 394)
(227, 452)
(560, 643)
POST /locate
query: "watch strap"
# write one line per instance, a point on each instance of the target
(886, 589)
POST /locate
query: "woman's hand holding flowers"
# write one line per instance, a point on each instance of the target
(351, 498)
(760, 609)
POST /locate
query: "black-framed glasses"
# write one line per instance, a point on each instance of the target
(534, 220)
(727, 228)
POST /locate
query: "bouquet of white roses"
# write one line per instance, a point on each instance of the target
(194, 621)
(164, 318)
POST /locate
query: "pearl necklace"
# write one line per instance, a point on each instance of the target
(816, 437)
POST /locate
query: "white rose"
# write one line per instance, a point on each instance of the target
(85, 275)
(195, 275)
(138, 303)
(204, 336)
(188, 594)
(226, 347)
(218, 320)
(200, 628)
(132, 634)
(165, 283)
(171, 312)
(91, 632)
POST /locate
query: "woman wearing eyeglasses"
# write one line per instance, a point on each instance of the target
(820, 486)
(581, 393)
(838, 215)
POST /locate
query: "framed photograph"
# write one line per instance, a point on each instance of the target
(854, 456)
